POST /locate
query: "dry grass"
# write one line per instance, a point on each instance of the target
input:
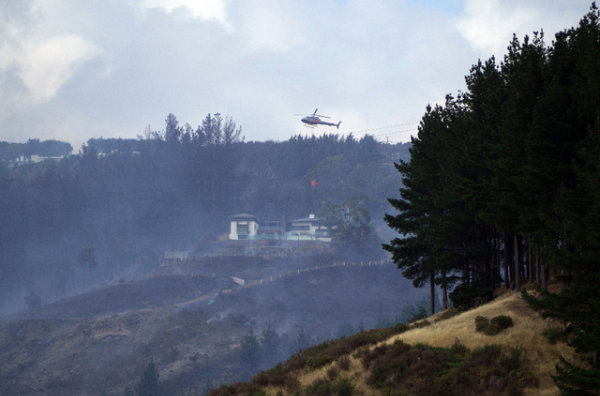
(355, 371)
(526, 333)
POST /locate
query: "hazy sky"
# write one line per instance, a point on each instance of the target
(73, 69)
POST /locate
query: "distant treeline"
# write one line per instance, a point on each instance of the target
(66, 225)
(503, 186)
(46, 148)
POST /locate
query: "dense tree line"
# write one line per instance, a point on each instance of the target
(503, 185)
(116, 206)
(46, 148)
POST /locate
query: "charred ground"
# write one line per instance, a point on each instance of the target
(191, 319)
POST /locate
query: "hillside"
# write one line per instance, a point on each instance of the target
(455, 333)
(191, 320)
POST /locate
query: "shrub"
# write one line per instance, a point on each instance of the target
(315, 362)
(276, 377)
(332, 372)
(344, 363)
(320, 387)
(423, 370)
(554, 334)
(481, 323)
(494, 326)
(343, 387)
(238, 389)
(500, 322)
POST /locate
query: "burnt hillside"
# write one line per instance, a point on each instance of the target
(191, 325)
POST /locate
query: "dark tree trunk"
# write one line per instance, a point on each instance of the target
(543, 277)
(444, 293)
(506, 261)
(432, 292)
(516, 262)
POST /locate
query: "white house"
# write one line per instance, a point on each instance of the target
(308, 229)
(242, 226)
(246, 226)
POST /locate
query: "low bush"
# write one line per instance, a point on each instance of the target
(494, 326)
(481, 323)
(276, 377)
(499, 323)
(332, 372)
(315, 362)
(341, 387)
(555, 334)
(238, 389)
(423, 370)
(344, 363)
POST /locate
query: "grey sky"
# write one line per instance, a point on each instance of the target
(72, 69)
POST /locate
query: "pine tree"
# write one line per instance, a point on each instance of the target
(576, 211)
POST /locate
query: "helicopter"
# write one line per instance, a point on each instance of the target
(315, 119)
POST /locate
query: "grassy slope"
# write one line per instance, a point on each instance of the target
(526, 333)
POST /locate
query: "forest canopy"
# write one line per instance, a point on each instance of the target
(503, 186)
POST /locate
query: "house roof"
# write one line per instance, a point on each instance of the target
(307, 220)
(243, 216)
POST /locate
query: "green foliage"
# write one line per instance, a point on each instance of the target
(422, 370)
(494, 326)
(504, 183)
(315, 362)
(341, 387)
(481, 323)
(238, 389)
(344, 363)
(46, 148)
(500, 322)
(277, 376)
(555, 334)
(478, 292)
(574, 380)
